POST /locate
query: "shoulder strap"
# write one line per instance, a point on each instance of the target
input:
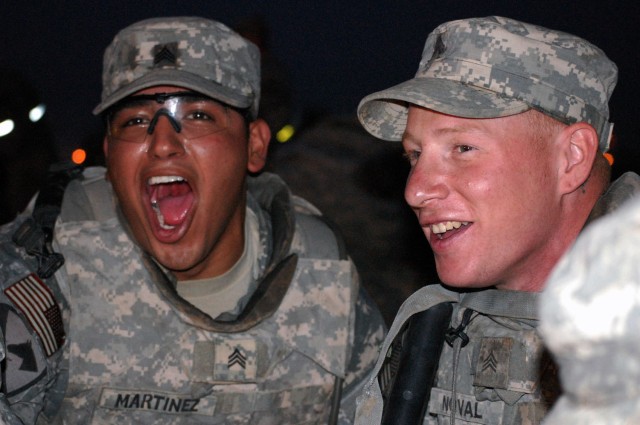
(495, 302)
(321, 237)
(36, 233)
(88, 198)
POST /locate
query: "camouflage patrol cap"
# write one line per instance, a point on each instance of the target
(494, 67)
(194, 53)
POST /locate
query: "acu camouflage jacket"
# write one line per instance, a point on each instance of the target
(135, 352)
(502, 374)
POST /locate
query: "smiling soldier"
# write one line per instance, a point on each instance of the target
(194, 289)
(505, 126)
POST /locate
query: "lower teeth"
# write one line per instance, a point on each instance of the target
(156, 209)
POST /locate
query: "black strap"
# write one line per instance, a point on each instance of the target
(408, 396)
(35, 234)
(336, 398)
(458, 332)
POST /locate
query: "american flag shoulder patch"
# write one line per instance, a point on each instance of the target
(36, 302)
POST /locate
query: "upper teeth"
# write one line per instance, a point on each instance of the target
(448, 225)
(164, 179)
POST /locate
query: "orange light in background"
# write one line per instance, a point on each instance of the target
(78, 156)
(609, 158)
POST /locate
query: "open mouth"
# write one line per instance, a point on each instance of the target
(171, 200)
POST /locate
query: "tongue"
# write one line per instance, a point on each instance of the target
(174, 201)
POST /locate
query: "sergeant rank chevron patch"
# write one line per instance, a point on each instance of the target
(237, 358)
(165, 55)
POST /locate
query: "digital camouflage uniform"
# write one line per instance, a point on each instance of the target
(137, 353)
(493, 368)
(590, 316)
(108, 340)
(33, 372)
(503, 374)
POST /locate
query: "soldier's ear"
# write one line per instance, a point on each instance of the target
(578, 147)
(259, 137)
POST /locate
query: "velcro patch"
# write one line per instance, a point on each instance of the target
(467, 408)
(156, 401)
(229, 360)
(492, 369)
(25, 363)
(237, 360)
(36, 302)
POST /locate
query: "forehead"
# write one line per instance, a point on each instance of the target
(422, 122)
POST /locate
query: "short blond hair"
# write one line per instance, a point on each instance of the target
(544, 126)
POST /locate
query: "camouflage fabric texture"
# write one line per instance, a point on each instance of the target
(282, 370)
(504, 375)
(590, 316)
(494, 66)
(32, 377)
(195, 53)
(136, 353)
(501, 376)
(619, 192)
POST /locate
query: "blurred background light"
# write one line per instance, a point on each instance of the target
(78, 156)
(285, 133)
(35, 114)
(6, 127)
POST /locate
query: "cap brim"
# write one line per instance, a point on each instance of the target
(384, 114)
(172, 77)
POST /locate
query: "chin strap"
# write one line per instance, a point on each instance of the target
(35, 234)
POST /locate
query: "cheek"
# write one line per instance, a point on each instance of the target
(215, 151)
(123, 154)
(482, 183)
(533, 181)
(122, 163)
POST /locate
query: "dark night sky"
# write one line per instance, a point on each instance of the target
(336, 51)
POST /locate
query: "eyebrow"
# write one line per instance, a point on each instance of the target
(466, 128)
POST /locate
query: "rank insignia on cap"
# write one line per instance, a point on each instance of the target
(165, 55)
(36, 302)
